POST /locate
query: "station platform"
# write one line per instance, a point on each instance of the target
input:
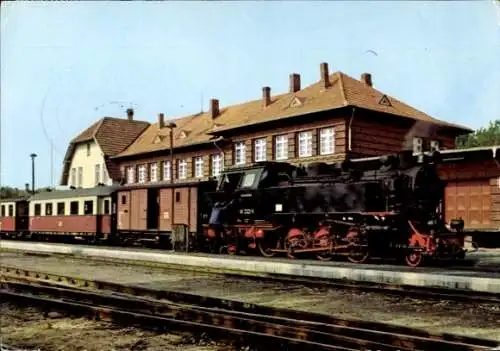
(463, 279)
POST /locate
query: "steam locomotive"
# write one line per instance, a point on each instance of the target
(389, 207)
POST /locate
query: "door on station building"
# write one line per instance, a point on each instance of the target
(470, 200)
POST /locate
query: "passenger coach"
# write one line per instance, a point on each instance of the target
(77, 212)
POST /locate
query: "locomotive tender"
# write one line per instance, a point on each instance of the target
(390, 206)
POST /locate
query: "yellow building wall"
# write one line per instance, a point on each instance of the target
(85, 158)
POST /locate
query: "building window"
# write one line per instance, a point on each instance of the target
(105, 177)
(142, 173)
(198, 167)
(11, 210)
(260, 150)
(48, 209)
(88, 149)
(38, 209)
(106, 207)
(281, 147)
(166, 170)
(305, 144)
(327, 141)
(130, 175)
(60, 208)
(182, 173)
(153, 172)
(88, 208)
(97, 174)
(216, 165)
(80, 177)
(3, 211)
(73, 177)
(417, 144)
(73, 208)
(239, 153)
(434, 145)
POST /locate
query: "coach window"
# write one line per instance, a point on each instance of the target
(11, 210)
(106, 206)
(38, 209)
(124, 200)
(3, 211)
(88, 207)
(177, 196)
(48, 209)
(60, 208)
(73, 208)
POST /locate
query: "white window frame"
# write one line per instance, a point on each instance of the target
(73, 177)
(327, 141)
(305, 144)
(182, 171)
(153, 172)
(166, 170)
(105, 177)
(216, 165)
(80, 177)
(130, 175)
(97, 173)
(281, 147)
(198, 167)
(240, 153)
(418, 144)
(259, 147)
(141, 174)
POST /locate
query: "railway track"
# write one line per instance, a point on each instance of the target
(259, 326)
(426, 292)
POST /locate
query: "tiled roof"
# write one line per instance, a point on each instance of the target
(343, 91)
(112, 134)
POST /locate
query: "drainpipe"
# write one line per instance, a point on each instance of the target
(349, 141)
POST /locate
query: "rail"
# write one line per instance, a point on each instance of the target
(254, 324)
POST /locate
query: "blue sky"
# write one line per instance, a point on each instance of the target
(66, 64)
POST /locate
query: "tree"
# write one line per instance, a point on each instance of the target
(484, 136)
(7, 192)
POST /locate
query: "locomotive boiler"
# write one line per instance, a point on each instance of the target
(387, 207)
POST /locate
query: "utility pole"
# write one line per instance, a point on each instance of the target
(33, 173)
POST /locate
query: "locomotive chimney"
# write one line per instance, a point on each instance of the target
(294, 82)
(266, 96)
(325, 79)
(161, 120)
(367, 79)
(214, 108)
(130, 114)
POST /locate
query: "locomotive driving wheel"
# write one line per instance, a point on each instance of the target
(414, 259)
(266, 245)
(327, 255)
(358, 252)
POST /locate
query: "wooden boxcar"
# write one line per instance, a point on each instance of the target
(13, 217)
(76, 212)
(153, 212)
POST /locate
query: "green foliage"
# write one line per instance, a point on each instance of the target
(7, 192)
(484, 136)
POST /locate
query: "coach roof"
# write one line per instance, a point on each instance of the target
(98, 191)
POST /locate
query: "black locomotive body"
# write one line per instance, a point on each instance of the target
(382, 207)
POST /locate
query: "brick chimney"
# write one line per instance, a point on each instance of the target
(325, 79)
(294, 82)
(266, 96)
(367, 79)
(130, 114)
(214, 108)
(161, 120)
